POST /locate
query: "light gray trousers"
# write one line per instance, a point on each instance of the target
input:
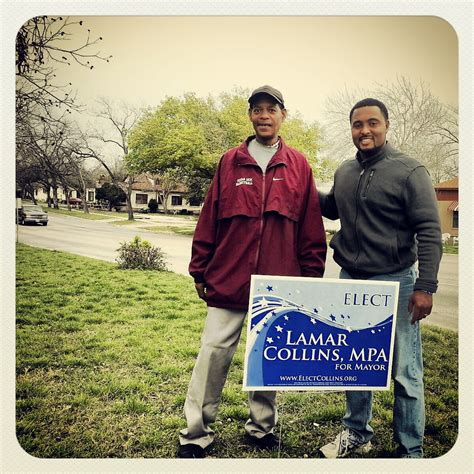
(218, 345)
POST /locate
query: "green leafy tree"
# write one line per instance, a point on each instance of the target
(196, 189)
(233, 117)
(307, 138)
(190, 134)
(111, 193)
(180, 133)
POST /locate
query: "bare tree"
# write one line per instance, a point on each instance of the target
(120, 119)
(48, 158)
(44, 139)
(446, 136)
(420, 125)
(168, 181)
(42, 43)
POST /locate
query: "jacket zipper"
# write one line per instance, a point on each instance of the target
(366, 191)
(257, 255)
(357, 215)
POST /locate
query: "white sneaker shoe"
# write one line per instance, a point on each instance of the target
(345, 443)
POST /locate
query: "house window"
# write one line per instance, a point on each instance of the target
(141, 198)
(176, 200)
(194, 202)
(90, 196)
(455, 219)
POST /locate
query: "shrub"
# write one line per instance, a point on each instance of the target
(153, 205)
(140, 254)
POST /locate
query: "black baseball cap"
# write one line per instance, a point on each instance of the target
(269, 90)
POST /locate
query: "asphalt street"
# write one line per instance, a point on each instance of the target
(100, 239)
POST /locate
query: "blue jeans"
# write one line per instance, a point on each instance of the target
(407, 375)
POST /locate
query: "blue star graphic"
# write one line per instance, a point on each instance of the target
(333, 317)
(269, 288)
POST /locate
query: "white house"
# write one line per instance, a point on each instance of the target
(42, 195)
(145, 188)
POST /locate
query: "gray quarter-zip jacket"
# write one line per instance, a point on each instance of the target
(389, 217)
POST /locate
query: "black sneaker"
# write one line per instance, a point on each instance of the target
(190, 451)
(269, 442)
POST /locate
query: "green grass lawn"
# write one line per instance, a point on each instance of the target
(452, 249)
(172, 229)
(124, 222)
(92, 215)
(104, 357)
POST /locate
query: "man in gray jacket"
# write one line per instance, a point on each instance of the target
(389, 220)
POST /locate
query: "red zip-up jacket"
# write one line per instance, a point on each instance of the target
(256, 224)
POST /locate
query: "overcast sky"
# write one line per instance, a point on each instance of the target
(308, 58)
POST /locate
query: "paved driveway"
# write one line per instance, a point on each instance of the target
(99, 239)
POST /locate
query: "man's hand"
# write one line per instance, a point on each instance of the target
(201, 290)
(420, 304)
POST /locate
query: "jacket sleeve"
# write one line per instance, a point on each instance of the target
(204, 239)
(327, 203)
(423, 216)
(311, 234)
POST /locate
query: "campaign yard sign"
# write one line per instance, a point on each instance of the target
(319, 334)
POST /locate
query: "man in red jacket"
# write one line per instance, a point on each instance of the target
(261, 216)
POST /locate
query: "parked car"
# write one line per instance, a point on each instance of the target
(73, 201)
(32, 213)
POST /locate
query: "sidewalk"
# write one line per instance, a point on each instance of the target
(153, 219)
(143, 220)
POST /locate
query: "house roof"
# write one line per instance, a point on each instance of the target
(144, 182)
(144, 187)
(451, 184)
(454, 206)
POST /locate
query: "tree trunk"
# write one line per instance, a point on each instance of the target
(85, 207)
(157, 198)
(55, 197)
(84, 191)
(129, 200)
(68, 193)
(165, 201)
(31, 192)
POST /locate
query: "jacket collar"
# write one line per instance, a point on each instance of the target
(381, 154)
(243, 156)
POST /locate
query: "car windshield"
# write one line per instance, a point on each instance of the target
(32, 208)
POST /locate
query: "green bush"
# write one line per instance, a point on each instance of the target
(153, 205)
(140, 254)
